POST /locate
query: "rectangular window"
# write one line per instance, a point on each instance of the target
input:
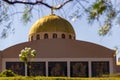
(57, 68)
(100, 68)
(79, 69)
(37, 69)
(16, 67)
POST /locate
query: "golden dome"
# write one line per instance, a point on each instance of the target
(51, 23)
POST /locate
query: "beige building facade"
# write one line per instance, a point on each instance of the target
(59, 53)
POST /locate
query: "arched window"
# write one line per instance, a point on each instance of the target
(45, 36)
(63, 36)
(31, 38)
(38, 37)
(54, 35)
(70, 37)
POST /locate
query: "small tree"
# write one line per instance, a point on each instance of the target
(26, 55)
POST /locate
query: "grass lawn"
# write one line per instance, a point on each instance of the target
(55, 78)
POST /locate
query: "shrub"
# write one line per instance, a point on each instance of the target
(7, 73)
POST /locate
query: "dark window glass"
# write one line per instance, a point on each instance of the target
(45, 36)
(37, 69)
(57, 68)
(38, 37)
(16, 67)
(70, 37)
(63, 36)
(100, 68)
(54, 35)
(79, 69)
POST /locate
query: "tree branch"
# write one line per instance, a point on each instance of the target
(82, 6)
(37, 2)
(61, 5)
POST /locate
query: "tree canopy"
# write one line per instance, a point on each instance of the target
(103, 11)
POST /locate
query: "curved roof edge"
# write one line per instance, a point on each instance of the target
(97, 44)
(85, 42)
(65, 48)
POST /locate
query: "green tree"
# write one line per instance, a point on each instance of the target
(104, 8)
(26, 55)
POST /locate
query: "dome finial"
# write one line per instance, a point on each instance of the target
(51, 10)
(52, 7)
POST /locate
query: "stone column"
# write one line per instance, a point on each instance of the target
(0, 61)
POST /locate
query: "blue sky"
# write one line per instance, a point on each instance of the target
(84, 31)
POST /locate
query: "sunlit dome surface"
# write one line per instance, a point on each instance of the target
(51, 23)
